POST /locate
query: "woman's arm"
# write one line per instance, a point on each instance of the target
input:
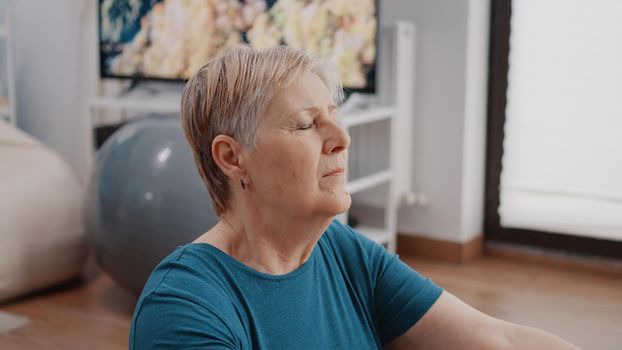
(452, 324)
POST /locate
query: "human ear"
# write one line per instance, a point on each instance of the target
(226, 152)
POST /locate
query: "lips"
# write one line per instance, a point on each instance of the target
(335, 172)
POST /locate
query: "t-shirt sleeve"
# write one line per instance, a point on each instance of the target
(171, 322)
(401, 295)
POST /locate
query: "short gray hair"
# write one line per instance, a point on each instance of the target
(230, 93)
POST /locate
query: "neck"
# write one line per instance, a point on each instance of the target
(269, 243)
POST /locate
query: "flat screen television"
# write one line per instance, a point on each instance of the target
(172, 39)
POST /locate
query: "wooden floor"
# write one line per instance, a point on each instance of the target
(584, 308)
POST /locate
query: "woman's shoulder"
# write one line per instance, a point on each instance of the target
(344, 237)
(348, 245)
(340, 231)
(185, 292)
(188, 269)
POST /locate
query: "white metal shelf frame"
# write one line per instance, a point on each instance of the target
(387, 234)
(396, 87)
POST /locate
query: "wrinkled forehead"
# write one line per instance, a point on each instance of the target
(305, 93)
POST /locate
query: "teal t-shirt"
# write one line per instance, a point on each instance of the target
(350, 294)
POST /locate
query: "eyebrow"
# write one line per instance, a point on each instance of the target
(331, 108)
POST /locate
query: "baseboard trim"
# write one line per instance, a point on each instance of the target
(442, 250)
(430, 248)
(555, 259)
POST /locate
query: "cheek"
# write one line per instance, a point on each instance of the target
(284, 178)
(292, 169)
(298, 171)
(289, 165)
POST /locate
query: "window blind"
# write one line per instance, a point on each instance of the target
(562, 162)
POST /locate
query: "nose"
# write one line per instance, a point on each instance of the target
(337, 138)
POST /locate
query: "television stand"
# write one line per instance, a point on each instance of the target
(152, 87)
(142, 98)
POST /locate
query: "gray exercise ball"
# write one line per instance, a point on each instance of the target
(145, 198)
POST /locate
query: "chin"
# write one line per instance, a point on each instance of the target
(340, 205)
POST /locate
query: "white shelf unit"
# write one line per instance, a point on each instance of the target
(395, 105)
(391, 105)
(7, 109)
(382, 234)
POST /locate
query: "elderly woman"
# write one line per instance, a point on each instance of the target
(277, 272)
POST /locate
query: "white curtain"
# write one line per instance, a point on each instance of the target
(562, 162)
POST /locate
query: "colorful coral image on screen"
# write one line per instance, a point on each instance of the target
(172, 39)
